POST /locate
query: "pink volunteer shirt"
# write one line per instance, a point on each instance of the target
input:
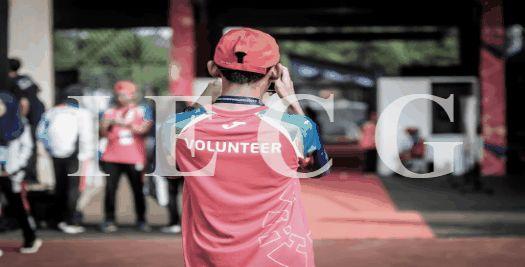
(245, 213)
(123, 145)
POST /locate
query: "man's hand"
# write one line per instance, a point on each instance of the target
(104, 126)
(25, 106)
(305, 162)
(284, 85)
(284, 89)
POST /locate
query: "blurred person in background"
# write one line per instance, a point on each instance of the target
(413, 156)
(125, 127)
(472, 177)
(368, 144)
(163, 189)
(346, 115)
(31, 107)
(173, 226)
(175, 184)
(15, 150)
(66, 130)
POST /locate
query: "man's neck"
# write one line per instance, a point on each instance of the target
(238, 90)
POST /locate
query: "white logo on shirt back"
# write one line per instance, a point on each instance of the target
(233, 147)
(233, 125)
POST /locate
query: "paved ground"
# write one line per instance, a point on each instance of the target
(357, 221)
(453, 213)
(444, 209)
(477, 252)
(350, 206)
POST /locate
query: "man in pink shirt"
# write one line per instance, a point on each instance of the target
(247, 211)
(125, 126)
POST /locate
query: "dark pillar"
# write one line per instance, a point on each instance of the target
(3, 44)
(515, 84)
(469, 40)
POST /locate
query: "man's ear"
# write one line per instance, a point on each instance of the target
(213, 69)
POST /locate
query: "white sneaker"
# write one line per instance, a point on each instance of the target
(108, 227)
(70, 229)
(173, 229)
(32, 247)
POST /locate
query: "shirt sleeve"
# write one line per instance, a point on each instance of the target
(165, 135)
(313, 146)
(173, 127)
(42, 130)
(147, 112)
(21, 148)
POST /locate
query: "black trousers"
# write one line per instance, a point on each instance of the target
(30, 169)
(173, 205)
(370, 160)
(472, 177)
(115, 170)
(66, 189)
(16, 205)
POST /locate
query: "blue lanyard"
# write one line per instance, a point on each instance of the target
(243, 100)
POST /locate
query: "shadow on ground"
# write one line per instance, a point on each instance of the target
(452, 211)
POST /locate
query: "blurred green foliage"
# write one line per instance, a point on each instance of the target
(385, 56)
(105, 56)
(142, 55)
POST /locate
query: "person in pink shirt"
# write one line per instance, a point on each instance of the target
(125, 127)
(368, 143)
(246, 212)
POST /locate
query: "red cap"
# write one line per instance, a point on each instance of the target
(247, 49)
(125, 87)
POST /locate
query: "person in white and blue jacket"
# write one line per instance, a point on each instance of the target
(67, 133)
(16, 146)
